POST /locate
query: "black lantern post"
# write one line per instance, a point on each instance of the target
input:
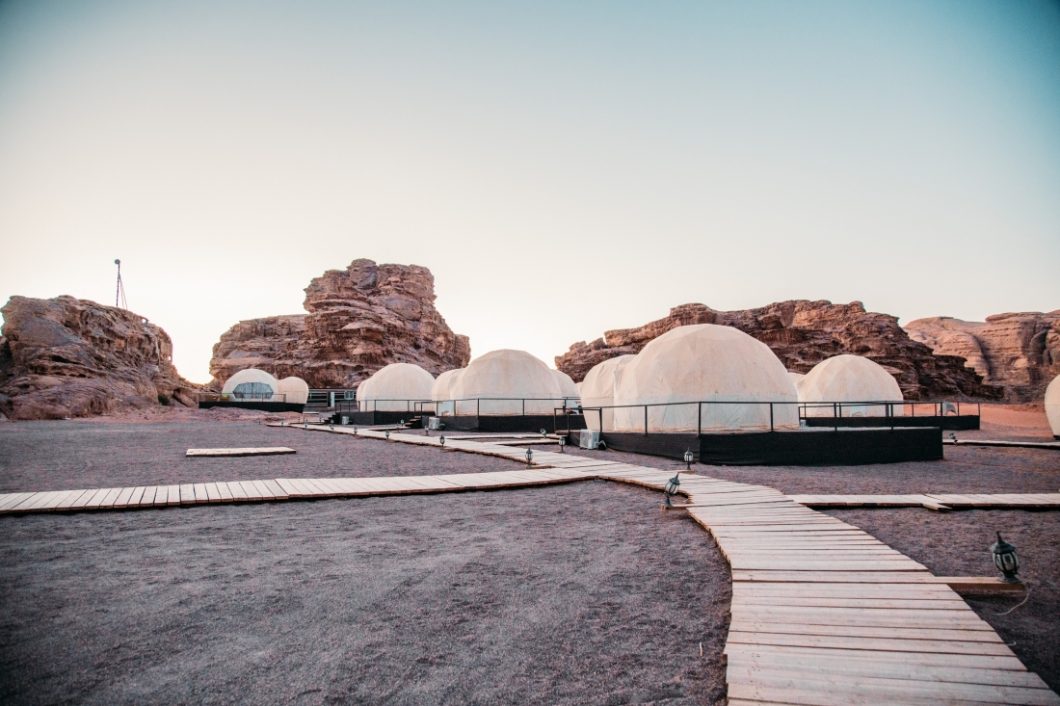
(441, 440)
(529, 457)
(688, 460)
(355, 431)
(562, 443)
(671, 489)
(1005, 559)
(386, 435)
(543, 432)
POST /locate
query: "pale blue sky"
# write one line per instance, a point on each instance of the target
(562, 168)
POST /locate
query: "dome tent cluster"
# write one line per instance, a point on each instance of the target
(252, 384)
(734, 375)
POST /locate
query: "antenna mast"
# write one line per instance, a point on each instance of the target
(119, 290)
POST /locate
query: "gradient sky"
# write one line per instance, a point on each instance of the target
(562, 168)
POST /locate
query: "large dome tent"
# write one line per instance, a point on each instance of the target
(567, 389)
(598, 390)
(252, 384)
(850, 378)
(395, 388)
(442, 391)
(1052, 406)
(706, 362)
(295, 390)
(506, 382)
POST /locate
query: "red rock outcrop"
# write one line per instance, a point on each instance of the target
(360, 319)
(1019, 352)
(68, 357)
(803, 333)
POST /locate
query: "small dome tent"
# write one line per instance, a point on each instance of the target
(850, 378)
(598, 390)
(294, 390)
(705, 362)
(252, 384)
(516, 377)
(567, 389)
(442, 391)
(395, 388)
(1052, 406)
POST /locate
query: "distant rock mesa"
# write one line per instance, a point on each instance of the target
(68, 357)
(360, 319)
(803, 333)
(1019, 352)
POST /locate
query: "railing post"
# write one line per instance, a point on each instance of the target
(478, 406)
(524, 406)
(770, 416)
(699, 418)
(645, 420)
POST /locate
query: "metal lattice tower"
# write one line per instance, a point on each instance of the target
(119, 290)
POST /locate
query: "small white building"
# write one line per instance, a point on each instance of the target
(706, 362)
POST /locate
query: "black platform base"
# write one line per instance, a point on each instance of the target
(805, 447)
(367, 419)
(253, 404)
(963, 422)
(512, 422)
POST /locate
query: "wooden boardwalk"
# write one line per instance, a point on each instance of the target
(822, 612)
(937, 501)
(1054, 445)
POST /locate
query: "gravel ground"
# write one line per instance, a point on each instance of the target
(575, 594)
(59, 455)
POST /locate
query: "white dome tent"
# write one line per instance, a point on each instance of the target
(395, 388)
(252, 384)
(1052, 406)
(796, 377)
(850, 378)
(525, 384)
(567, 389)
(295, 390)
(598, 390)
(706, 362)
(441, 391)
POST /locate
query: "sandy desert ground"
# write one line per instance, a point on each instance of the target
(580, 593)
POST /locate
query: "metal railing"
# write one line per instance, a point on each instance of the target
(800, 412)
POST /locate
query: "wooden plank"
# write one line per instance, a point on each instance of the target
(122, 501)
(213, 495)
(777, 626)
(278, 493)
(137, 496)
(187, 493)
(250, 492)
(12, 500)
(811, 654)
(835, 576)
(236, 491)
(249, 451)
(201, 496)
(881, 617)
(859, 602)
(224, 492)
(992, 584)
(873, 643)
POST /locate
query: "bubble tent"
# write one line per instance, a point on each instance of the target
(395, 388)
(252, 388)
(252, 384)
(849, 378)
(294, 390)
(506, 382)
(725, 396)
(1052, 406)
(441, 392)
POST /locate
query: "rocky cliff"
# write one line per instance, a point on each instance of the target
(68, 357)
(359, 319)
(803, 333)
(1018, 352)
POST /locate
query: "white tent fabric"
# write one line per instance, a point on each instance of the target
(567, 389)
(1052, 405)
(442, 391)
(598, 390)
(705, 362)
(252, 383)
(505, 373)
(850, 378)
(295, 390)
(395, 387)
(796, 377)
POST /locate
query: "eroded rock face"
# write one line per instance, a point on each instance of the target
(803, 333)
(360, 319)
(68, 357)
(1019, 352)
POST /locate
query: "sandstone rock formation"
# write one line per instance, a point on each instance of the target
(1018, 352)
(360, 319)
(68, 357)
(802, 333)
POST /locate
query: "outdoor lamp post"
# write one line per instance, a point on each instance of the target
(441, 440)
(671, 488)
(355, 431)
(529, 456)
(688, 460)
(1005, 559)
(562, 443)
(386, 435)
(543, 432)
